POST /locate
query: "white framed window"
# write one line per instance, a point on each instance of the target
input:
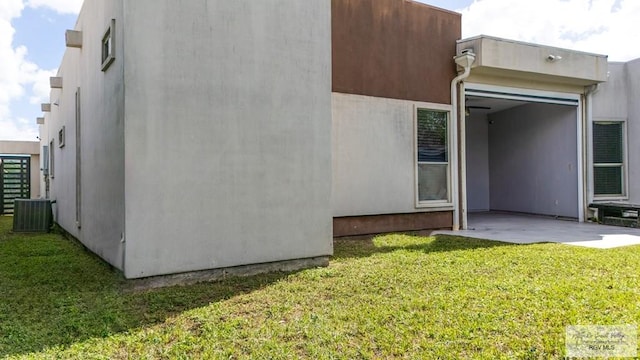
(45, 160)
(610, 159)
(432, 156)
(108, 45)
(51, 160)
(61, 137)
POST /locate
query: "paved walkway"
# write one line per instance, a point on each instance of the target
(528, 229)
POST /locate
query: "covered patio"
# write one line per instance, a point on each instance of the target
(528, 229)
(525, 135)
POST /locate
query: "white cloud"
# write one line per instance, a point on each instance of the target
(10, 9)
(60, 6)
(17, 74)
(597, 26)
(18, 129)
(10, 79)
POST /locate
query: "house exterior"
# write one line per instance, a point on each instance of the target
(559, 134)
(186, 136)
(390, 58)
(194, 147)
(19, 172)
(530, 109)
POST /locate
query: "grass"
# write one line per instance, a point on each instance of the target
(395, 296)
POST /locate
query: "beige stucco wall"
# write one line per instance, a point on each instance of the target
(617, 99)
(19, 147)
(633, 128)
(101, 225)
(225, 126)
(227, 133)
(373, 155)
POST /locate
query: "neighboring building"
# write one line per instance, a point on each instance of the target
(186, 136)
(19, 172)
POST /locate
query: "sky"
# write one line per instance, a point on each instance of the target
(32, 40)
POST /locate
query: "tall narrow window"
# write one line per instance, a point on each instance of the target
(78, 160)
(609, 177)
(45, 160)
(51, 162)
(433, 167)
(61, 137)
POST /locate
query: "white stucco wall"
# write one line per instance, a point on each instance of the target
(374, 161)
(533, 160)
(227, 133)
(102, 101)
(477, 146)
(617, 99)
(611, 99)
(62, 180)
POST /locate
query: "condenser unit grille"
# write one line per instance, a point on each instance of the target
(32, 215)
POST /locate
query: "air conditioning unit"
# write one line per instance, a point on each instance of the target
(32, 215)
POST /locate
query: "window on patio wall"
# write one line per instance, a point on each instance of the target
(609, 170)
(433, 163)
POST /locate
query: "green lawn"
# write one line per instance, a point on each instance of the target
(396, 296)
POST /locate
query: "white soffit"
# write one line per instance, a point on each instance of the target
(497, 92)
(534, 62)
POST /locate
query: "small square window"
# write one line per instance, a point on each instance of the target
(61, 137)
(108, 46)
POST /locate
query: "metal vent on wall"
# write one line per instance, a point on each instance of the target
(32, 215)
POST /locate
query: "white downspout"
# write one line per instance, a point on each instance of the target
(465, 61)
(590, 90)
(463, 158)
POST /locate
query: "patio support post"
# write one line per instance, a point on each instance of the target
(465, 60)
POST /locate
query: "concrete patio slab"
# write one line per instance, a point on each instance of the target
(529, 229)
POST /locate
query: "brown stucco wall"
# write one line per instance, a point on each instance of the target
(394, 48)
(376, 224)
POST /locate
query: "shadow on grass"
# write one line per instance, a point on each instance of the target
(55, 293)
(364, 246)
